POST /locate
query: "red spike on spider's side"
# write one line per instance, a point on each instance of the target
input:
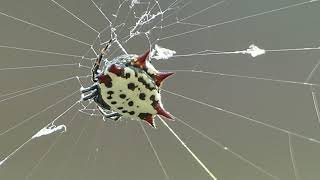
(141, 60)
(115, 69)
(105, 79)
(161, 111)
(150, 120)
(161, 76)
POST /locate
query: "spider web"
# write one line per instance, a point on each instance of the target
(245, 94)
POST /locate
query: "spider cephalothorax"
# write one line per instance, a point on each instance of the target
(128, 86)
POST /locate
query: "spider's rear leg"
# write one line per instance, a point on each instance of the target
(93, 94)
(114, 115)
(116, 118)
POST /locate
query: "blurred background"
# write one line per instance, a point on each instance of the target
(267, 125)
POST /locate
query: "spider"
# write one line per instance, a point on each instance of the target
(127, 86)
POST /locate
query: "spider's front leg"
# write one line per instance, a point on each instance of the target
(93, 94)
(88, 89)
(97, 63)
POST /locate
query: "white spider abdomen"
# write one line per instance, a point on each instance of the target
(131, 88)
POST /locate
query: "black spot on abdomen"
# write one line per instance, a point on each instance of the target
(152, 97)
(127, 76)
(131, 86)
(142, 96)
(148, 86)
(144, 115)
(130, 103)
(122, 96)
(110, 92)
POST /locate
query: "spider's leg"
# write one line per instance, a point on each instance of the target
(93, 87)
(100, 102)
(117, 118)
(114, 115)
(95, 68)
(96, 65)
(93, 94)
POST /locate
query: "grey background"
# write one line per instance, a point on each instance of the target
(123, 150)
